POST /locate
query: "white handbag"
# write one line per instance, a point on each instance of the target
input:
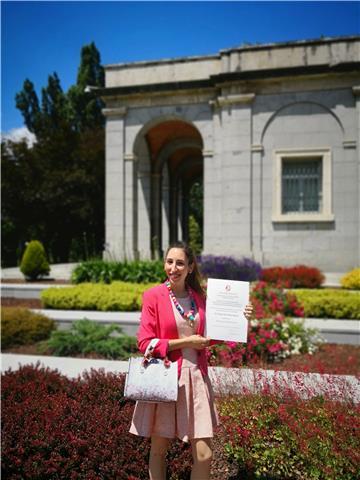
(151, 379)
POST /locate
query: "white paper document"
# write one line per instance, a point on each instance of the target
(225, 305)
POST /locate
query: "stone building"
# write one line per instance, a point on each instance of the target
(273, 131)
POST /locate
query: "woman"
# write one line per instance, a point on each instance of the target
(174, 313)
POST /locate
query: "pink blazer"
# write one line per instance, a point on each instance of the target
(158, 321)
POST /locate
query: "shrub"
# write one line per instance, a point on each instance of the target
(34, 263)
(229, 268)
(20, 326)
(329, 303)
(271, 336)
(269, 340)
(299, 276)
(195, 235)
(62, 429)
(55, 428)
(86, 336)
(351, 280)
(118, 296)
(269, 300)
(100, 271)
(272, 439)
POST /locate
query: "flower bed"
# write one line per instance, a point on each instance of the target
(299, 276)
(56, 428)
(269, 340)
(229, 268)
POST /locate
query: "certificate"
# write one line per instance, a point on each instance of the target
(225, 305)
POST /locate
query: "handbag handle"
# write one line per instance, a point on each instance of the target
(148, 353)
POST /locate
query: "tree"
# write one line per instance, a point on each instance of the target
(28, 103)
(86, 107)
(54, 190)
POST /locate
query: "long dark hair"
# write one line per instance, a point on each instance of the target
(193, 279)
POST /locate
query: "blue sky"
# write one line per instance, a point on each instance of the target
(39, 38)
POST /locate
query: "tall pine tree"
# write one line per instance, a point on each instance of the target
(59, 181)
(86, 107)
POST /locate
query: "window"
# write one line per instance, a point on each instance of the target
(302, 186)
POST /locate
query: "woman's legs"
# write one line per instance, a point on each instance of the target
(157, 465)
(202, 455)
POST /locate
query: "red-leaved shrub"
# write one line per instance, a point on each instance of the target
(291, 439)
(299, 276)
(56, 428)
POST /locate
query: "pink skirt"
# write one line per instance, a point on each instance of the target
(194, 414)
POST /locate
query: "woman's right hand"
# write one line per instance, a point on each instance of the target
(198, 342)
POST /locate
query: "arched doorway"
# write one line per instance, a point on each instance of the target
(175, 164)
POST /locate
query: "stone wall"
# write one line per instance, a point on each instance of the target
(248, 104)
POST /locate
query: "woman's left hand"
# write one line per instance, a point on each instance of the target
(249, 310)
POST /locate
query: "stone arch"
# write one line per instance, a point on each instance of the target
(303, 102)
(133, 146)
(165, 142)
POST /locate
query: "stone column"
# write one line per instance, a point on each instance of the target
(165, 208)
(257, 202)
(114, 183)
(131, 207)
(356, 92)
(211, 202)
(173, 209)
(156, 214)
(143, 202)
(179, 210)
(232, 160)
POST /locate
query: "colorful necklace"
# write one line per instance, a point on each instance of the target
(190, 315)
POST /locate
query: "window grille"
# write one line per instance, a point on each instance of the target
(301, 185)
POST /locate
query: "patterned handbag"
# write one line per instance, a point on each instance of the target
(151, 379)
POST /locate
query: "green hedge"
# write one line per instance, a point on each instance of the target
(137, 271)
(118, 296)
(20, 326)
(329, 303)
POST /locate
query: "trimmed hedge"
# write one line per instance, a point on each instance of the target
(118, 296)
(20, 326)
(329, 303)
(299, 276)
(101, 271)
(351, 280)
(34, 263)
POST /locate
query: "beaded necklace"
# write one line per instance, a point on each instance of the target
(190, 315)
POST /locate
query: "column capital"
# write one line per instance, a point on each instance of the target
(130, 157)
(257, 148)
(208, 153)
(228, 100)
(356, 90)
(349, 144)
(114, 112)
